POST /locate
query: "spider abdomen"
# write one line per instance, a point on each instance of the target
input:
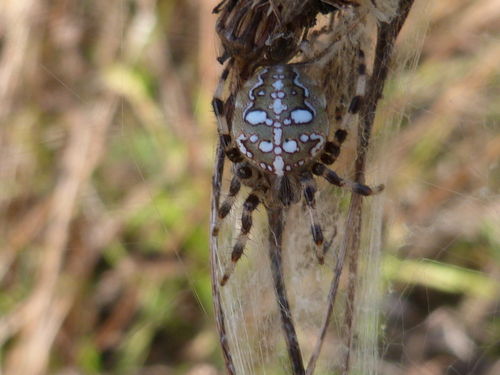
(280, 122)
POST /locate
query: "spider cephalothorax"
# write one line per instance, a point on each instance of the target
(264, 32)
(275, 130)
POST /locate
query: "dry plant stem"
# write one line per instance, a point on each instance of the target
(215, 261)
(333, 287)
(356, 208)
(276, 225)
(386, 36)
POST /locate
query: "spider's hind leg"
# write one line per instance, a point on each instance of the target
(320, 170)
(242, 173)
(251, 203)
(309, 188)
(227, 205)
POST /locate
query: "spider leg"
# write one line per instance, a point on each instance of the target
(217, 102)
(332, 148)
(243, 173)
(359, 96)
(320, 170)
(309, 188)
(251, 203)
(225, 208)
(221, 110)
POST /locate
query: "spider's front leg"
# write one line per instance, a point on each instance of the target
(222, 113)
(332, 148)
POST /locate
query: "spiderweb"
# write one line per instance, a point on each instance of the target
(254, 333)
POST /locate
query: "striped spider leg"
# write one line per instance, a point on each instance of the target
(275, 130)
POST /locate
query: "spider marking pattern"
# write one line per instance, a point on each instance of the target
(275, 131)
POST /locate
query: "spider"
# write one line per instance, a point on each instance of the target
(275, 130)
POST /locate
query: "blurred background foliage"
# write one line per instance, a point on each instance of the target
(106, 146)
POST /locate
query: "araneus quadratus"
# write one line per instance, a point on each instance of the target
(275, 132)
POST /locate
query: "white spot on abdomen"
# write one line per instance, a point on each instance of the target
(278, 106)
(296, 81)
(278, 85)
(277, 136)
(256, 117)
(290, 146)
(279, 165)
(241, 146)
(259, 83)
(319, 146)
(301, 116)
(266, 146)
